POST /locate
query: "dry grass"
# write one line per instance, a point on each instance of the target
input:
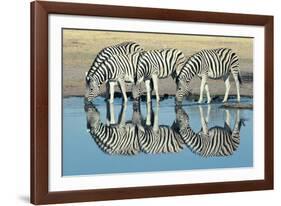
(81, 46)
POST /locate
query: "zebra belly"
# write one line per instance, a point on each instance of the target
(217, 73)
(163, 76)
(129, 79)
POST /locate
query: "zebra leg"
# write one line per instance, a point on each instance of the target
(203, 121)
(110, 114)
(148, 90)
(208, 93)
(237, 118)
(155, 84)
(203, 83)
(148, 114)
(122, 115)
(111, 91)
(123, 90)
(156, 119)
(235, 76)
(227, 117)
(107, 90)
(227, 88)
(208, 113)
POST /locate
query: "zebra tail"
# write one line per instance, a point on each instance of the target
(241, 123)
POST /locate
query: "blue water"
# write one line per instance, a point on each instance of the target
(82, 156)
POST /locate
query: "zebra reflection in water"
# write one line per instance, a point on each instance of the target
(155, 138)
(209, 142)
(147, 136)
(134, 136)
(112, 138)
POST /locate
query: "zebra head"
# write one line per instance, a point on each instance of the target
(136, 91)
(183, 89)
(92, 88)
(139, 77)
(93, 116)
(182, 118)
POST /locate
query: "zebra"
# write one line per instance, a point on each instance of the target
(107, 52)
(113, 139)
(158, 64)
(117, 69)
(214, 64)
(155, 138)
(118, 49)
(210, 142)
(131, 137)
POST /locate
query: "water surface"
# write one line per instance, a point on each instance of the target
(83, 156)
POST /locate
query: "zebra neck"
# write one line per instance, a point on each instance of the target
(100, 76)
(92, 70)
(189, 135)
(100, 129)
(192, 69)
(195, 70)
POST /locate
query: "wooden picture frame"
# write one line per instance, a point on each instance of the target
(40, 108)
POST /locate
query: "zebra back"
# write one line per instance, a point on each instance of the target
(116, 140)
(116, 67)
(112, 139)
(163, 63)
(165, 140)
(219, 141)
(107, 52)
(215, 62)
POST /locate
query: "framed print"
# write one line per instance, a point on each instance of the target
(133, 102)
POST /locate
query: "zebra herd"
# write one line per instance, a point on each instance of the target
(147, 136)
(128, 62)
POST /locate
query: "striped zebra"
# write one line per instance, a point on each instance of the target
(117, 69)
(158, 64)
(155, 138)
(210, 142)
(214, 64)
(131, 137)
(118, 49)
(113, 139)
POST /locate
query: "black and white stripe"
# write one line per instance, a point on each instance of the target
(164, 140)
(107, 52)
(132, 137)
(217, 141)
(214, 64)
(158, 64)
(155, 138)
(117, 69)
(117, 139)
